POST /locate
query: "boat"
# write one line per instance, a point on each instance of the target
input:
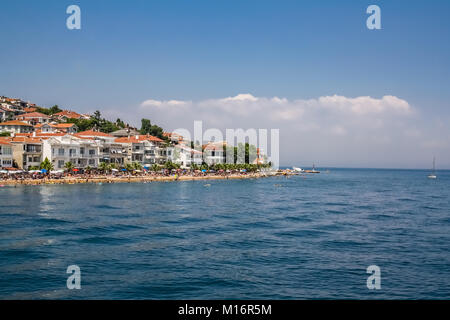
(433, 173)
(296, 169)
(313, 170)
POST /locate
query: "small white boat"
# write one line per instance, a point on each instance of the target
(296, 169)
(433, 174)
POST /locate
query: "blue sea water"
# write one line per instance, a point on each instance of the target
(303, 237)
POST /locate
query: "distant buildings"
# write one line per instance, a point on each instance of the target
(6, 156)
(16, 126)
(34, 136)
(33, 118)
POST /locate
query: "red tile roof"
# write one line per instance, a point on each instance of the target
(92, 133)
(33, 115)
(15, 123)
(68, 114)
(137, 139)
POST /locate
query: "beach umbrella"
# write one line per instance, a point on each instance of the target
(34, 171)
(124, 169)
(204, 170)
(44, 171)
(75, 170)
(3, 171)
(115, 170)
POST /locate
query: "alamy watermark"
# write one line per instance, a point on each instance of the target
(374, 280)
(73, 22)
(236, 145)
(74, 280)
(374, 20)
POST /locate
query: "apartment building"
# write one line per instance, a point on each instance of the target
(27, 152)
(6, 154)
(145, 149)
(186, 157)
(16, 126)
(81, 152)
(110, 151)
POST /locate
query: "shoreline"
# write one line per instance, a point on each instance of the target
(130, 179)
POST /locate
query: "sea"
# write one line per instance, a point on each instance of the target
(310, 236)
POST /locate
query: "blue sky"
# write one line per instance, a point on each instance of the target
(130, 51)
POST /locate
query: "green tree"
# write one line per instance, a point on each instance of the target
(69, 166)
(54, 109)
(104, 166)
(154, 130)
(146, 126)
(137, 166)
(129, 167)
(46, 164)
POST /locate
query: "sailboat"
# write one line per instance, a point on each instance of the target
(313, 170)
(433, 173)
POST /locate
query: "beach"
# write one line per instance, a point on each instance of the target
(129, 179)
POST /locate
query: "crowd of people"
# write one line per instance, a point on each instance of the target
(43, 175)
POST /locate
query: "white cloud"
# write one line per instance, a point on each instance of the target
(336, 130)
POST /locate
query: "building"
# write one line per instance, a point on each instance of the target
(81, 152)
(145, 149)
(213, 152)
(126, 132)
(16, 126)
(29, 109)
(56, 128)
(185, 156)
(27, 152)
(110, 151)
(6, 154)
(33, 118)
(173, 137)
(67, 114)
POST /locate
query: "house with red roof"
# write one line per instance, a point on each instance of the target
(27, 151)
(16, 126)
(110, 150)
(56, 128)
(67, 114)
(33, 118)
(145, 149)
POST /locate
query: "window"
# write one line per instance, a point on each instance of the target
(60, 163)
(81, 150)
(60, 151)
(91, 162)
(7, 163)
(91, 152)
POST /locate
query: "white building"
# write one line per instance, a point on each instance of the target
(110, 151)
(145, 149)
(213, 152)
(56, 127)
(33, 118)
(16, 126)
(185, 156)
(6, 155)
(81, 152)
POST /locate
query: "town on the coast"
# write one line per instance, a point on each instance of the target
(39, 143)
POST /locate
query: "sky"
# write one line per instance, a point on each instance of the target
(341, 94)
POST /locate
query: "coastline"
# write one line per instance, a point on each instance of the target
(131, 179)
